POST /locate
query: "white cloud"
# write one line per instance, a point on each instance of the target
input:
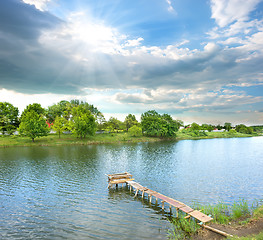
(170, 6)
(233, 18)
(39, 4)
(226, 12)
(201, 99)
(134, 42)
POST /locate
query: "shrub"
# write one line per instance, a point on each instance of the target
(135, 131)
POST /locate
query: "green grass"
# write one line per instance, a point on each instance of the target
(181, 135)
(66, 139)
(250, 237)
(182, 228)
(222, 213)
(258, 212)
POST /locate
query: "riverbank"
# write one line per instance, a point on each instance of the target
(245, 227)
(107, 138)
(68, 139)
(237, 220)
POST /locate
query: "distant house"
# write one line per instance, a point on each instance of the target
(49, 124)
(216, 130)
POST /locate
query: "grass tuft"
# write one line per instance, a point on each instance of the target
(182, 228)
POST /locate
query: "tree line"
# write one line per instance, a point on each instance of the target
(83, 119)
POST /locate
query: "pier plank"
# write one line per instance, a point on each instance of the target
(127, 178)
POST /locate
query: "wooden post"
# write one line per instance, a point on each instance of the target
(176, 212)
(156, 201)
(170, 208)
(136, 192)
(216, 230)
(150, 198)
(142, 193)
(130, 188)
(162, 205)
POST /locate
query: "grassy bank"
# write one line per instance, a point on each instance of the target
(181, 135)
(104, 138)
(67, 139)
(237, 215)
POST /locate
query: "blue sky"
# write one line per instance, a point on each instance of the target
(200, 61)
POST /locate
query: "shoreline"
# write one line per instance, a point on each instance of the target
(106, 138)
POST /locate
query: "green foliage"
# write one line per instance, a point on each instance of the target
(64, 109)
(8, 117)
(114, 125)
(258, 212)
(33, 125)
(227, 126)
(240, 209)
(258, 129)
(182, 228)
(250, 237)
(194, 126)
(36, 107)
(207, 127)
(59, 125)
(154, 124)
(241, 128)
(223, 213)
(220, 212)
(83, 122)
(56, 110)
(135, 131)
(130, 121)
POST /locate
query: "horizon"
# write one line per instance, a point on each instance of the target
(198, 61)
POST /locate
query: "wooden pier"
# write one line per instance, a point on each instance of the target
(126, 178)
(120, 178)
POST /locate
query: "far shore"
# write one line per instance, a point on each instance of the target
(107, 138)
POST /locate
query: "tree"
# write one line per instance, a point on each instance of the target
(59, 125)
(36, 107)
(8, 117)
(227, 126)
(33, 125)
(241, 128)
(83, 122)
(154, 124)
(195, 126)
(56, 110)
(115, 124)
(130, 121)
(135, 131)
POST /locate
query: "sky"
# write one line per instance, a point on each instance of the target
(197, 60)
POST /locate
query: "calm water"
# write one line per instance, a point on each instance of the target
(61, 192)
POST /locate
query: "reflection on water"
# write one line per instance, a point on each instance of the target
(61, 192)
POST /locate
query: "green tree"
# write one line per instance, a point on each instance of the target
(36, 107)
(135, 131)
(130, 121)
(241, 128)
(154, 124)
(227, 126)
(59, 125)
(114, 124)
(8, 117)
(57, 110)
(194, 126)
(83, 122)
(33, 125)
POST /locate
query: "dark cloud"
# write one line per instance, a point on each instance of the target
(38, 50)
(23, 20)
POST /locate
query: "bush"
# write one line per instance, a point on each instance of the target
(135, 131)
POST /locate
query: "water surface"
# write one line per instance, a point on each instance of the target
(61, 192)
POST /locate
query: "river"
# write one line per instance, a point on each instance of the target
(61, 192)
